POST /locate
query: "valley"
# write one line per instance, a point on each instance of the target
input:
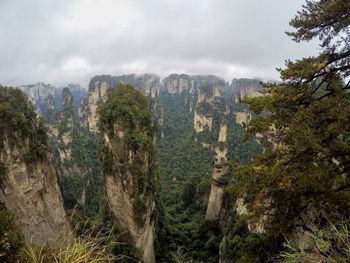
(196, 120)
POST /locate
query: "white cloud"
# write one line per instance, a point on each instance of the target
(70, 41)
(92, 15)
(75, 63)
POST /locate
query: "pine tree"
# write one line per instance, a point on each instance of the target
(305, 123)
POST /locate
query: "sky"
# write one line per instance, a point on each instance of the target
(69, 41)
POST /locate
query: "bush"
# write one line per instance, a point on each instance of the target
(205, 108)
(87, 247)
(11, 241)
(2, 171)
(138, 141)
(328, 244)
(139, 210)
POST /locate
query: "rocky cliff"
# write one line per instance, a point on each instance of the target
(206, 96)
(28, 181)
(199, 136)
(73, 147)
(69, 158)
(41, 96)
(205, 110)
(246, 88)
(212, 102)
(128, 165)
(147, 83)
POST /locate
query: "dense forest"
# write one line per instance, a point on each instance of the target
(188, 168)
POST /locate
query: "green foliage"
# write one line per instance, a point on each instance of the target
(310, 165)
(127, 112)
(37, 150)
(102, 227)
(331, 243)
(20, 124)
(85, 151)
(326, 20)
(240, 149)
(80, 174)
(11, 241)
(72, 188)
(2, 171)
(207, 90)
(186, 174)
(305, 124)
(86, 247)
(180, 157)
(205, 108)
(127, 107)
(187, 232)
(140, 209)
(138, 141)
(242, 245)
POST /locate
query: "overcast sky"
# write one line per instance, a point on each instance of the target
(69, 41)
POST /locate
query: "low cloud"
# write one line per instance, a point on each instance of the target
(60, 42)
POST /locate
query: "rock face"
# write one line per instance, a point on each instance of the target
(97, 95)
(256, 226)
(211, 107)
(66, 129)
(129, 165)
(246, 88)
(201, 122)
(242, 117)
(216, 193)
(177, 83)
(28, 181)
(210, 127)
(147, 83)
(41, 96)
(65, 136)
(59, 108)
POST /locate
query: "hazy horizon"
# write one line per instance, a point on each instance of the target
(71, 41)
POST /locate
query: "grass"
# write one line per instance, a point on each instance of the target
(89, 246)
(330, 244)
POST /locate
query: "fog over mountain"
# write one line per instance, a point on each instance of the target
(70, 41)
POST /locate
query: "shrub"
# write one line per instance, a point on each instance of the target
(205, 108)
(11, 240)
(139, 210)
(326, 245)
(87, 247)
(2, 171)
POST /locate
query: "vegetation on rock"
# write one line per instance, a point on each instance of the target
(11, 241)
(19, 121)
(306, 129)
(127, 111)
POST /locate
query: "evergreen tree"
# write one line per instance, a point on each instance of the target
(305, 123)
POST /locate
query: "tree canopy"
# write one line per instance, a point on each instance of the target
(305, 121)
